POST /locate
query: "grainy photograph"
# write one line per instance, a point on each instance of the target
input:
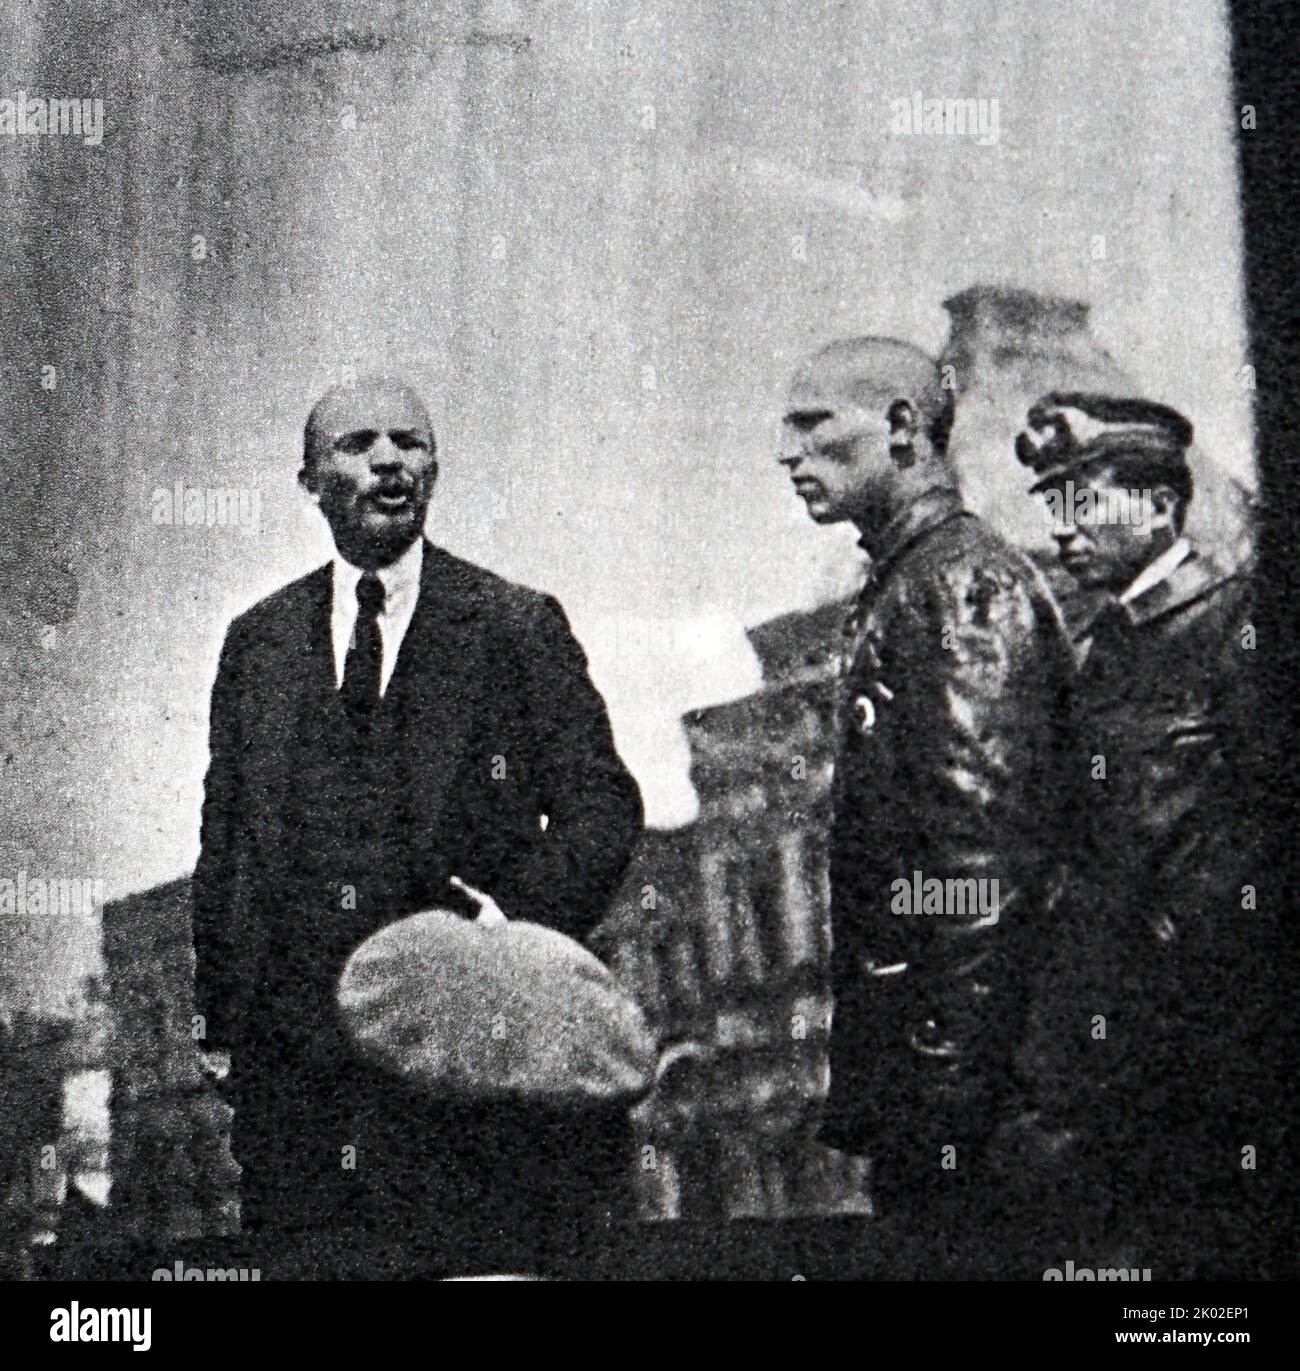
(634, 646)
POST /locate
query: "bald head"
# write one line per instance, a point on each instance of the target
(872, 374)
(375, 404)
(866, 430)
(368, 461)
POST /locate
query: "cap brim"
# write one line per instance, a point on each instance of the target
(1076, 468)
(1052, 476)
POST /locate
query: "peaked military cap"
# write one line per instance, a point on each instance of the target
(1066, 432)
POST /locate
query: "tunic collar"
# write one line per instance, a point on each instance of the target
(1178, 576)
(1157, 570)
(931, 508)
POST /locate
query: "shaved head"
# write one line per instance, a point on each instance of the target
(378, 403)
(873, 373)
(368, 462)
(866, 430)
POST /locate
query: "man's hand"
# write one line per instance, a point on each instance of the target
(490, 914)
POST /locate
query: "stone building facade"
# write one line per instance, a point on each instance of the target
(722, 934)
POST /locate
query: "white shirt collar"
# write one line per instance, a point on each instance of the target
(401, 582)
(1161, 569)
(400, 578)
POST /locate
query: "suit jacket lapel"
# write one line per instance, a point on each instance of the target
(304, 656)
(438, 679)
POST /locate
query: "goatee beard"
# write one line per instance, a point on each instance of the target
(369, 548)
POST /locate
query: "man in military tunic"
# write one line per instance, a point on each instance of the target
(953, 690)
(1158, 996)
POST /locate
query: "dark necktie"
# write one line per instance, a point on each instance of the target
(361, 670)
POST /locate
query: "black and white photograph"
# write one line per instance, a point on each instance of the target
(647, 640)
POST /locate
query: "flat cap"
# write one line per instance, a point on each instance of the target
(1066, 432)
(517, 1013)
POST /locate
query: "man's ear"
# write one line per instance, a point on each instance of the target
(1164, 502)
(903, 429)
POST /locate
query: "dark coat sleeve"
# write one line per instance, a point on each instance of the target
(566, 876)
(222, 957)
(1191, 836)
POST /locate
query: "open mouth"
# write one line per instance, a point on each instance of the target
(392, 499)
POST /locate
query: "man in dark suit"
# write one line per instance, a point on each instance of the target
(397, 730)
(1160, 995)
(953, 690)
